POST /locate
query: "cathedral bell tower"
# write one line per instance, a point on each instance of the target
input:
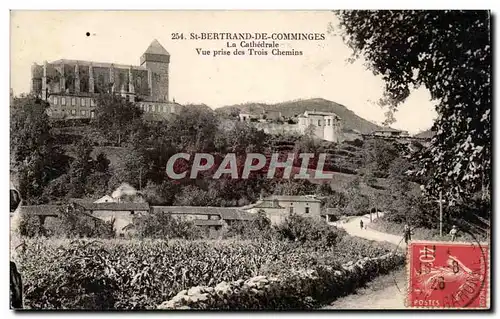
(156, 60)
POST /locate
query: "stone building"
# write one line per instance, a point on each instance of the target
(278, 207)
(211, 217)
(324, 125)
(122, 214)
(389, 132)
(70, 86)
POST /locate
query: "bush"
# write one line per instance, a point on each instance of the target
(309, 231)
(259, 228)
(29, 226)
(75, 223)
(163, 226)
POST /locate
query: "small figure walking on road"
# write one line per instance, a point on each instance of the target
(407, 233)
(361, 224)
(453, 233)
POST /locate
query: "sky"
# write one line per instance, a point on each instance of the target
(122, 37)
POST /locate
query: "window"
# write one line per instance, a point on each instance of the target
(92, 102)
(156, 108)
(307, 210)
(319, 122)
(83, 113)
(63, 101)
(291, 210)
(73, 101)
(328, 122)
(54, 100)
(82, 101)
(73, 112)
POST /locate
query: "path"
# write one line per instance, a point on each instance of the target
(353, 228)
(384, 292)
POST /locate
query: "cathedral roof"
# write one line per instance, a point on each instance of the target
(156, 48)
(97, 64)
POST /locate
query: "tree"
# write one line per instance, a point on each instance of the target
(336, 199)
(358, 203)
(194, 129)
(448, 52)
(80, 168)
(162, 225)
(192, 195)
(161, 194)
(56, 189)
(241, 138)
(133, 169)
(33, 151)
(74, 222)
(115, 117)
(102, 163)
(377, 157)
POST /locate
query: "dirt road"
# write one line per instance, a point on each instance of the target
(384, 292)
(353, 228)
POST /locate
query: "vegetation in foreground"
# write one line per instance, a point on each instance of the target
(141, 274)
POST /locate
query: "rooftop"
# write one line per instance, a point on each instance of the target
(307, 113)
(156, 48)
(42, 210)
(388, 129)
(286, 198)
(267, 204)
(97, 64)
(112, 206)
(228, 213)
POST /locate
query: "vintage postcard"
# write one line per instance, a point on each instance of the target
(250, 160)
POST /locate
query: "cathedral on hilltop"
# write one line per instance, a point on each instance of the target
(70, 86)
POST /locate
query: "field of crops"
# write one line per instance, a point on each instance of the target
(132, 274)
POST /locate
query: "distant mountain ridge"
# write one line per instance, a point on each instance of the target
(351, 120)
(426, 134)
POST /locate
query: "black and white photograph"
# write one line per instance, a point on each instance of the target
(246, 160)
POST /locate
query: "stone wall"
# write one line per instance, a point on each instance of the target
(276, 128)
(294, 289)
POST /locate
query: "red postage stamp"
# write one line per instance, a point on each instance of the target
(448, 275)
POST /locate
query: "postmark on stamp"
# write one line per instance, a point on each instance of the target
(448, 275)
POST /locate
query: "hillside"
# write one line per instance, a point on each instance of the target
(426, 134)
(292, 108)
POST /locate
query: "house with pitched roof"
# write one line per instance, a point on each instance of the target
(210, 217)
(278, 207)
